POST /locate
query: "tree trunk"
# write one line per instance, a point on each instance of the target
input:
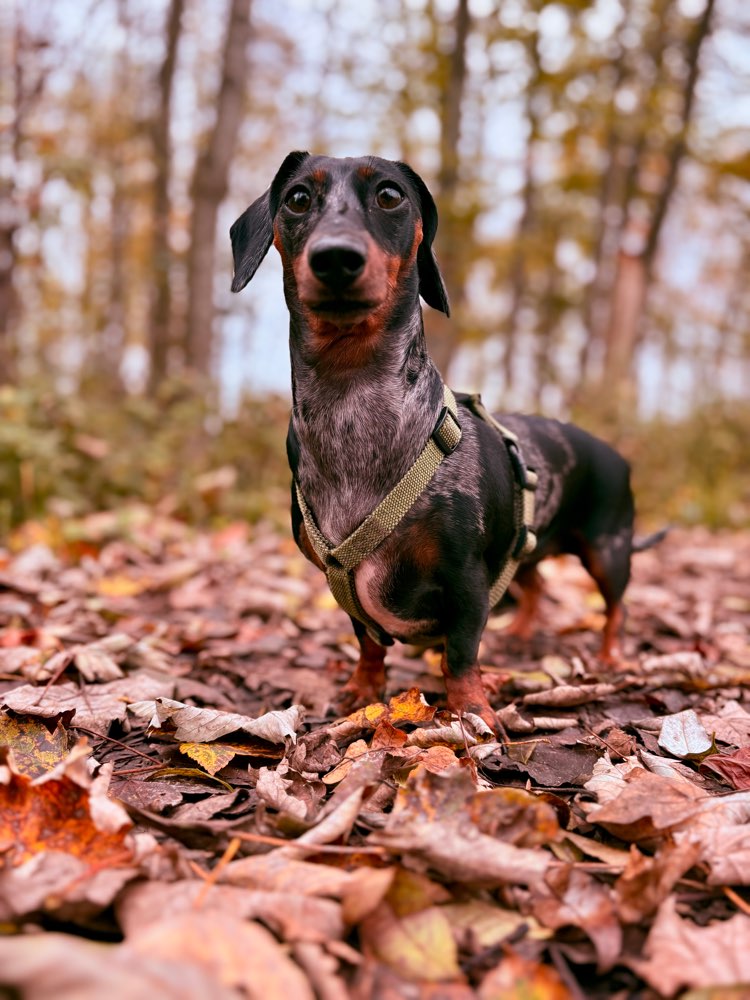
(517, 272)
(441, 336)
(210, 185)
(161, 302)
(634, 271)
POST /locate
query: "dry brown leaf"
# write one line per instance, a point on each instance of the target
(679, 953)
(293, 916)
(647, 881)
(66, 967)
(570, 695)
(221, 945)
(96, 706)
(430, 820)
(355, 750)
(730, 725)
(571, 897)
(188, 724)
(734, 768)
(647, 805)
(488, 924)
(410, 706)
(278, 793)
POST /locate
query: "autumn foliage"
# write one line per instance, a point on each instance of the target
(180, 813)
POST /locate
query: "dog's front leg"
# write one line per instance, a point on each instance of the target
(460, 667)
(367, 683)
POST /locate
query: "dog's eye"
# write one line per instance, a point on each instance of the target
(298, 201)
(389, 196)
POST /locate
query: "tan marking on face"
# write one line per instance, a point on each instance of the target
(279, 244)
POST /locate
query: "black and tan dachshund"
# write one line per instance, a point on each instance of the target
(355, 238)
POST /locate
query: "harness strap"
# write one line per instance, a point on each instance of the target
(341, 560)
(525, 484)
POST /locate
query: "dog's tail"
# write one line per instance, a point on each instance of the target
(641, 544)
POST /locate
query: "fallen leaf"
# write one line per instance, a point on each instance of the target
(516, 977)
(67, 967)
(212, 757)
(54, 813)
(188, 724)
(221, 945)
(419, 945)
(571, 897)
(680, 954)
(294, 916)
(730, 725)
(430, 820)
(96, 706)
(734, 768)
(488, 924)
(683, 736)
(36, 749)
(410, 706)
(647, 881)
(569, 695)
(647, 805)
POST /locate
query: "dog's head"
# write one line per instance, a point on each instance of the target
(355, 238)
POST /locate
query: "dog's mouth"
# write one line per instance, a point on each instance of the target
(342, 310)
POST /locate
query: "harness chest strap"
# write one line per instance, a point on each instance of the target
(341, 560)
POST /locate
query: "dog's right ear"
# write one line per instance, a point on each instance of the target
(252, 233)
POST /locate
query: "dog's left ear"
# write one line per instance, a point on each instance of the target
(431, 284)
(252, 233)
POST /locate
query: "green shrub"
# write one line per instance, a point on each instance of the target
(71, 455)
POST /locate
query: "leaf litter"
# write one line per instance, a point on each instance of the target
(182, 814)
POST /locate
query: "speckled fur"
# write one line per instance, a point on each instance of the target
(366, 397)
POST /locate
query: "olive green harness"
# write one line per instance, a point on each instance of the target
(341, 560)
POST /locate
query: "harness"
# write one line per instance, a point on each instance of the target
(341, 560)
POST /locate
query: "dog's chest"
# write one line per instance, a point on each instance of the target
(381, 598)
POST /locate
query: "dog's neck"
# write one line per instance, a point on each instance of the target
(359, 429)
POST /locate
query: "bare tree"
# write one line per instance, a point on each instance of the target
(210, 185)
(635, 268)
(441, 336)
(161, 303)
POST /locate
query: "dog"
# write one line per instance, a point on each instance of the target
(355, 238)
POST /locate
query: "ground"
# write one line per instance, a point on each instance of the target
(182, 814)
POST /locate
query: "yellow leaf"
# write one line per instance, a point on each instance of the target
(419, 946)
(211, 756)
(410, 706)
(35, 749)
(120, 586)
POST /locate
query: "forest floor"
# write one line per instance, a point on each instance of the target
(182, 816)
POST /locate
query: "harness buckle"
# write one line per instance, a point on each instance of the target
(447, 432)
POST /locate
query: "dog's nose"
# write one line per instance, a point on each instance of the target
(337, 262)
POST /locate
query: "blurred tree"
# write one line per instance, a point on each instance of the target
(589, 160)
(452, 239)
(160, 320)
(210, 185)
